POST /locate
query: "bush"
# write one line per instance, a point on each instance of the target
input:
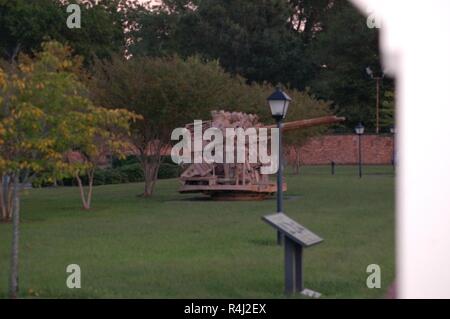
(129, 160)
(169, 171)
(130, 173)
(133, 172)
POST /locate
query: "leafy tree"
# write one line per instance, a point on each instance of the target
(44, 113)
(167, 93)
(387, 110)
(107, 136)
(324, 45)
(308, 16)
(341, 52)
(25, 24)
(251, 38)
(171, 92)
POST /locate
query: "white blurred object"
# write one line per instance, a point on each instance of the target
(415, 44)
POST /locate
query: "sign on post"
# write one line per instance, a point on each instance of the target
(296, 237)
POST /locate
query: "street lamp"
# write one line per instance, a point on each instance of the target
(377, 80)
(359, 129)
(392, 130)
(279, 103)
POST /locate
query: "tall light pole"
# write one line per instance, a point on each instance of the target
(359, 129)
(378, 81)
(279, 103)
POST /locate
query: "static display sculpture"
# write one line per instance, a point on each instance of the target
(237, 181)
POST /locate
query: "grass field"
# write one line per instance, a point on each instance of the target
(171, 246)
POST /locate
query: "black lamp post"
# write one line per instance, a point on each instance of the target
(392, 129)
(279, 103)
(359, 129)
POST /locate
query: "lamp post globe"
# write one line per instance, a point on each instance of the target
(359, 130)
(279, 104)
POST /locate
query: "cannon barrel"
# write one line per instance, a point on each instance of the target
(299, 124)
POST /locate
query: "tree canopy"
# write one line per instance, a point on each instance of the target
(170, 92)
(324, 45)
(26, 24)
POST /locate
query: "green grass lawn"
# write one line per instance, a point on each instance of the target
(172, 247)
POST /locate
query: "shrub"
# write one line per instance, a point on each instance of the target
(129, 173)
(129, 160)
(132, 172)
(168, 171)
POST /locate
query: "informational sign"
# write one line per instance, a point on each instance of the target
(296, 237)
(292, 229)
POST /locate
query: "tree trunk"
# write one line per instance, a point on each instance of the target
(86, 197)
(6, 198)
(90, 188)
(150, 175)
(14, 274)
(297, 161)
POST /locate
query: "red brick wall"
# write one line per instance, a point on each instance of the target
(343, 149)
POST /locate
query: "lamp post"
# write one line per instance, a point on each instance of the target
(279, 103)
(359, 129)
(392, 129)
(377, 80)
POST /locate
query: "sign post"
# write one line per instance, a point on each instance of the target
(296, 237)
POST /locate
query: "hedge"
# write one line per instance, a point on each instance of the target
(129, 173)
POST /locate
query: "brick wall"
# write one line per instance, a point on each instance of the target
(343, 149)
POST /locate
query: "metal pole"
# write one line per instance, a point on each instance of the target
(293, 267)
(360, 164)
(280, 177)
(298, 258)
(289, 266)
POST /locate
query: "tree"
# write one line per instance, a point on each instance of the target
(171, 92)
(104, 23)
(308, 16)
(167, 93)
(323, 45)
(387, 110)
(251, 38)
(44, 111)
(340, 53)
(107, 135)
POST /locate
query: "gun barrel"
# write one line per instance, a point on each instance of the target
(300, 124)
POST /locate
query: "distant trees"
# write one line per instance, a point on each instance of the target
(25, 24)
(324, 45)
(340, 53)
(387, 111)
(251, 38)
